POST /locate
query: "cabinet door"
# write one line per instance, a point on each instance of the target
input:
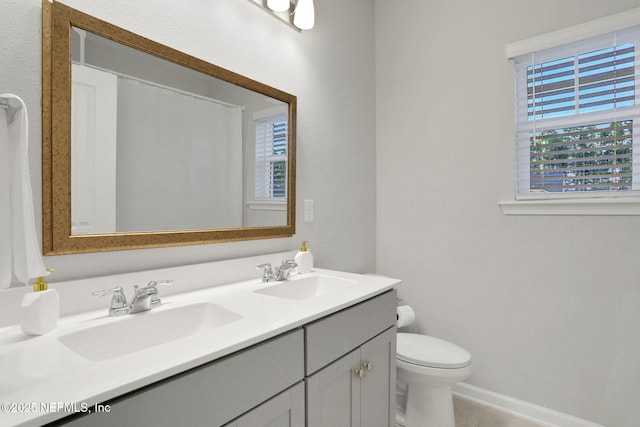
(333, 394)
(337, 397)
(284, 410)
(378, 386)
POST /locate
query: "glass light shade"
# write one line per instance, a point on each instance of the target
(304, 15)
(278, 5)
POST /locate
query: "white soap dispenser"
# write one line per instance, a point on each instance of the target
(304, 259)
(40, 309)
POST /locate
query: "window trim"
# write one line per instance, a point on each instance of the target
(590, 205)
(585, 206)
(597, 27)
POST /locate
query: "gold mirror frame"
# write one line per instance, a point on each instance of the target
(57, 20)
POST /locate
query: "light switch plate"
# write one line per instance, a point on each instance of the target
(308, 211)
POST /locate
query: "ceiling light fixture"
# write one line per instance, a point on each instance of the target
(278, 5)
(304, 15)
(298, 14)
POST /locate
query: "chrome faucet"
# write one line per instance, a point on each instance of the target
(147, 297)
(281, 273)
(144, 298)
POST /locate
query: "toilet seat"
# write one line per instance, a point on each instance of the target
(431, 352)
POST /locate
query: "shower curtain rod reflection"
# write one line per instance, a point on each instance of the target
(161, 86)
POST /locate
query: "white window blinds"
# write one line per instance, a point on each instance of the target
(271, 158)
(577, 114)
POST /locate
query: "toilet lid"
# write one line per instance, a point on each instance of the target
(431, 352)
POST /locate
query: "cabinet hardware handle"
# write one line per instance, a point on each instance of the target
(359, 372)
(368, 365)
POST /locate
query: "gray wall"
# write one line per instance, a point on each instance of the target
(547, 306)
(330, 69)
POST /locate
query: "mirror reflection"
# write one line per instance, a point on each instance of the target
(146, 146)
(158, 146)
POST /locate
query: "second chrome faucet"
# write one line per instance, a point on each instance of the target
(281, 273)
(144, 298)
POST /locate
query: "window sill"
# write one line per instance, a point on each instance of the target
(571, 207)
(267, 206)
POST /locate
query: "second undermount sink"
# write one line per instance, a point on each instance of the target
(303, 288)
(131, 333)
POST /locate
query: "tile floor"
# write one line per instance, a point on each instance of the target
(471, 414)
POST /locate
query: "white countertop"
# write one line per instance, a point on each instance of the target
(42, 380)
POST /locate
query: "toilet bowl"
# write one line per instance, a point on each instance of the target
(429, 367)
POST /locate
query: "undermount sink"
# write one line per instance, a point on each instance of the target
(304, 288)
(141, 331)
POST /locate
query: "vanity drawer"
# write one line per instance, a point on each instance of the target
(334, 336)
(212, 394)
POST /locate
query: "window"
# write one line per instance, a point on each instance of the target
(577, 113)
(271, 158)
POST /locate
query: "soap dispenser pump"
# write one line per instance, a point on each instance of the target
(304, 259)
(40, 309)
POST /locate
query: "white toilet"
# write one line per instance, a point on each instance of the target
(429, 367)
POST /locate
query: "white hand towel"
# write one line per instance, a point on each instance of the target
(19, 250)
(6, 264)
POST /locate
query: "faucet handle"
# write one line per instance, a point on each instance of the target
(155, 300)
(152, 290)
(118, 294)
(118, 301)
(155, 283)
(267, 273)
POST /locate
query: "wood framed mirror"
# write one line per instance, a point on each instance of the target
(146, 146)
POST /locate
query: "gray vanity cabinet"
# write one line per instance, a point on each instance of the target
(357, 389)
(213, 394)
(338, 371)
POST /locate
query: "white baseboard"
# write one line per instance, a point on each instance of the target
(528, 411)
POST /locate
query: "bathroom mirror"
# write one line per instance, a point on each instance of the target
(146, 146)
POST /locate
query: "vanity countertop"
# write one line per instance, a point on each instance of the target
(42, 380)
